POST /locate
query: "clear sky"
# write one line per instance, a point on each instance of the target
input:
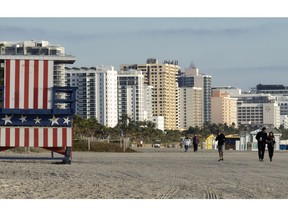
(240, 52)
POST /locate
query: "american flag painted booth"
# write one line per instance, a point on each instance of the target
(35, 112)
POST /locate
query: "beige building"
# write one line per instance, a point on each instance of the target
(191, 77)
(165, 92)
(191, 109)
(224, 108)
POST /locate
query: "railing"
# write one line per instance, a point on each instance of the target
(63, 102)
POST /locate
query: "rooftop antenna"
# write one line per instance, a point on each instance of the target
(192, 65)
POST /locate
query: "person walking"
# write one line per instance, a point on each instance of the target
(221, 141)
(195, 143)
(261, 137)
(271, 143)
(187, 143)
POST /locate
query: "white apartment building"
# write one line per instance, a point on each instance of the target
(131, 95)
(159, 122)
(33, 48)
(147, 97)
(224, 108)
(284, 121)
(191, 109)
(96, 94)
(258, 109)
(282, 100)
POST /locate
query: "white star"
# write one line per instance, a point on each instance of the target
(7, 119)
(54, 120)
(67, 120)
(37, 120)
(23, 118)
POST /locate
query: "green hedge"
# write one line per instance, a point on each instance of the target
(82, 145)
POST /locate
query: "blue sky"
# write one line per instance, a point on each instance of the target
(240, 52)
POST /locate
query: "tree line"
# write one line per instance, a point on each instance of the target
(147, 131)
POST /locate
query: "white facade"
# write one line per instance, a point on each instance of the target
(131, 95)
(248, 139)
(271, 114)
(96, 94)
(258, 109)
(147, 96)
(191, 109)
(159, 121)
(284, 121)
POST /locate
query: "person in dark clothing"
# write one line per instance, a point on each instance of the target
(195, 143)
(271, 143)
(221, 141)
(262, 139)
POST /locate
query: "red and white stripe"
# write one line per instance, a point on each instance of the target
(35, 137)
(28, 84)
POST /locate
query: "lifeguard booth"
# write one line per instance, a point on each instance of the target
(35, 111)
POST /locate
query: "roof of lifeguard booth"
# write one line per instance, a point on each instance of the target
(65, 59)
(268, 129)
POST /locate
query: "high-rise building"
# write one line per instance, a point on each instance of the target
(165, 93)
(39, 48)
(258, 109)
(147, 97)
(96, 94)
(191, 109)
(281, 94)
(224, 108)
(233, 91)
(271, 89)
(192, 78)
(131, 95)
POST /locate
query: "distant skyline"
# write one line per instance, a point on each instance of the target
(240, 52)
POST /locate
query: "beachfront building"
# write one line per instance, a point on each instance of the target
(131, 95)
(159, 122)
(191, 109)
(34, 48)
(271, 89)
(233, 91)
(284, 121)
(258, 109)
(281, 94)
(165, 93)
(224, 108)
(147, 98)
(96, 94)
(191, 77)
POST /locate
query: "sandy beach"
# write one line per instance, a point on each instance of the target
(147, 174)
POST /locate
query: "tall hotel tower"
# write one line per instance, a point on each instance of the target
(131, 95)
(165, 92)
(192, 78)
(96, 94)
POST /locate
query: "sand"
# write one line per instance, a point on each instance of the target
(148, 174)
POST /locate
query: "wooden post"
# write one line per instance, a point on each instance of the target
(89, 144)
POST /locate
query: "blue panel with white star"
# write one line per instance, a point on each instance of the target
(36, 120)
